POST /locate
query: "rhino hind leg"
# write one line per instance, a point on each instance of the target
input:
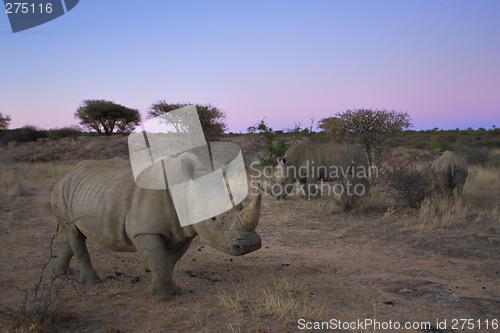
(77, 247)
(65, 255)
(161, 262)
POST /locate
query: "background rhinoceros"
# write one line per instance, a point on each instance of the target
(309, 162)
(450, 171)
(99, 201)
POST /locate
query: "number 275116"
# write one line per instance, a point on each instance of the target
(27, 8)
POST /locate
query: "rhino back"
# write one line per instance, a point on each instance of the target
(323, 154)
(460, 170)
(103, 201)
(450, 169)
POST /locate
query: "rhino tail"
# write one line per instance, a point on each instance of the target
(452, 170)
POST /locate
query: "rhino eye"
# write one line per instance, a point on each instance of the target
(213, 218)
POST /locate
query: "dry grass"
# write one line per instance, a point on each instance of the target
(41, 308)
(495, 213)
(42, 311)
(7, 175)
(24, 179)
(483, 178)
(283, 301)
(41, 174)
(278, 304)
(482, 189)
(479, 202)
(442, 212)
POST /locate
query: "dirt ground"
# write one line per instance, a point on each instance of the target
(317, 266)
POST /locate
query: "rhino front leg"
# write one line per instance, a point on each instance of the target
(161, 262)
(310, 188)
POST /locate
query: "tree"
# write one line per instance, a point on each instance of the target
(333, 127)
(4, 121)
(212, 119)
(371, 128)
(299, 131)
(106, 117)
(276, 148)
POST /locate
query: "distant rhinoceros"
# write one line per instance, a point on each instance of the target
(100, 201)
(309, 162)
(450, 172)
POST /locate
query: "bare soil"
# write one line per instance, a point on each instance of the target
(377, 262)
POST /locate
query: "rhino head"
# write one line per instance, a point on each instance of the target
(284, 182)
(233, 232)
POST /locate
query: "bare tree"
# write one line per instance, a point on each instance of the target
(4, 121)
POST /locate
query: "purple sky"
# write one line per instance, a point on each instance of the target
(289, 61)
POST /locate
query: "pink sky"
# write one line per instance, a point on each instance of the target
(287, 61)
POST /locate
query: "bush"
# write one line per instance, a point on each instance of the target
(444, 142)
(24, 134)
(409, 181)
(64, 132)
(421, 145)
(476, 155)
(276, 148)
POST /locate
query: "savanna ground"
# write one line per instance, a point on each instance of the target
(381, 261)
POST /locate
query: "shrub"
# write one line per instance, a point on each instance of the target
(41, 309)
(64, 132)
(444, 141)
(421, 145)
(25, 134)
(409, 181)
(276, 148)
(476, 155)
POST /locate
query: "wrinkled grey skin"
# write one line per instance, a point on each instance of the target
(450, 171)
(323, 158)
(99, 201)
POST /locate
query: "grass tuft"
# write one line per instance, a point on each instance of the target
(442, 212)
(283, 300)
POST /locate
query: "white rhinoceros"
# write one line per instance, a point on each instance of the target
(450, 171)
(309, 162)
(99, 201)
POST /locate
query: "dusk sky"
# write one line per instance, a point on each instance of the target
(289, 61)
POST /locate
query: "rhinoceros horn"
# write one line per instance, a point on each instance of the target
(251, 213)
